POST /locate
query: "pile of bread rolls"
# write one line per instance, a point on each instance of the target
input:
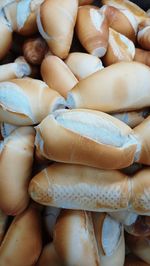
(74, 133)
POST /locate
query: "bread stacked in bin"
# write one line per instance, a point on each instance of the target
(74, 133)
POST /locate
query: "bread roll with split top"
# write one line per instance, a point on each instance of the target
(74, 239)
(22, 243)
(56, 21)
(86, 188)
(143, 34)
(121, 20)
(29, 101)
(57, 75)
(83, 65)
(16, 158)
(127, 88)
(138, 12)
(92, 30)
(87, 137)
(109, 236)
(120, 48)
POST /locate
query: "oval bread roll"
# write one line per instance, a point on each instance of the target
(22, 243)
(127, 88)
(87, 137)
(27, 101)
(16, 158)
(81, 187)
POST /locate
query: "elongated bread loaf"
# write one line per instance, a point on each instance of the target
(27, 101)
(22, 243)
(127, 88)
(87, 137)
(16, 158)
(58, 29)
(78, 247)
(81, 187)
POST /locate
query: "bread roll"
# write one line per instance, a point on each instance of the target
(121, 20)
(143, 34)
(120, 48)
(49, 256)
(92, 30)
(22, 243)
(109, 236)
(138, 12)
(16, 158)
(56, 21)
(29, 101)
(57, 75)
(83, 65)
(127, 88)
(80, 187)
(74, 239)
(87, 137)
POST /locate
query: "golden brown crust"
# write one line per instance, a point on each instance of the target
(23, 241)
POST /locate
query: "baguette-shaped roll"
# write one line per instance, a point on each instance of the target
(18, 69)
(131, 260)
(6, 35)
(92, 30)
(80, 187)
(57, 75)
(141, 226)
(74, 239)
(121, 20)
(124, 217)
(138, 12)
(142, 56)
(34, 50)
(27, 101)
(127, 88)
(120, 48)
(22, 243)
(140, 246)
(133, 118)
(3, 222)
(85, 2)
(83, 65)
(16, 158)
(87, 137)
(109, 236)
(56, 21)
(49, 256)
(143, 36)
(21, 17)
